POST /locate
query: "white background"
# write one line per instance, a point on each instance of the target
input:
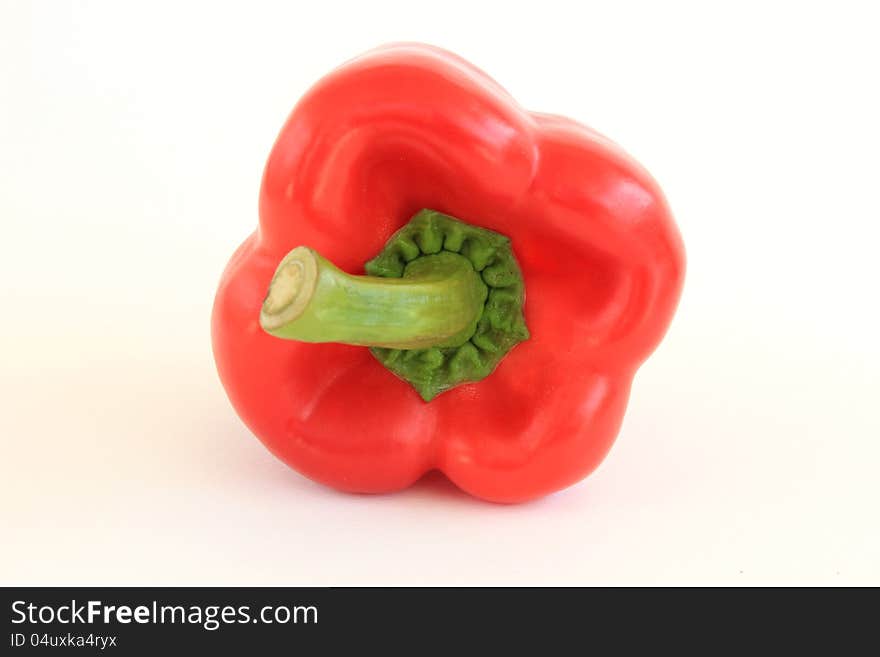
(132, 140)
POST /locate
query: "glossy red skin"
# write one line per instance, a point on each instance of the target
(407, 127)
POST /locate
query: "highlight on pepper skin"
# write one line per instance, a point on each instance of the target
(442, 280)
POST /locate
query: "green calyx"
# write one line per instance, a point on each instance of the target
(441, 305)
(498, 328)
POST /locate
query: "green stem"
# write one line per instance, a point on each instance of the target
(436, 303)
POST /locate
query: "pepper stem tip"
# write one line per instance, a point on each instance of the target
(291, 289)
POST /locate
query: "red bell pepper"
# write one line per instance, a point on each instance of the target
(402, 129)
